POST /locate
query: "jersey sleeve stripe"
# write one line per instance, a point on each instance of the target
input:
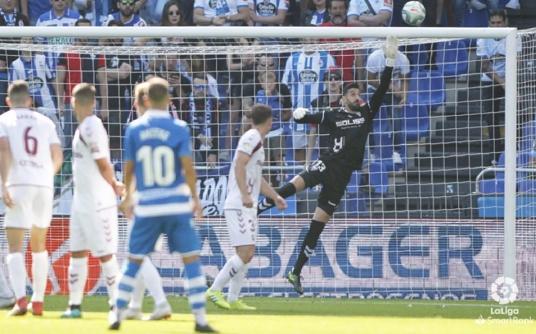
(258, 147)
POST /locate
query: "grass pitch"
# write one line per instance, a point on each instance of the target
(295, 316)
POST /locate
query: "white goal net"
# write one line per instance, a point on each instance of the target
(424, 218)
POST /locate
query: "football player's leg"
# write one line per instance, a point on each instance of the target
(297, 184)
(143, 236)
(246, 253)
(134, 306)
(42, 215)
(6, 295)
(153, 281)
(78, 265)
(16, 268)
(78, 269)
(102, 237)
(183, 238)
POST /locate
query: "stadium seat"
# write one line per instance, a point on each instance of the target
(418, 55)
(381, 122)
(426, 88)
(493, 206)
(379, 178)
(527, 186)
(475, 18)
(353, 185)
(452, 57)
(383, 151)
(491, 186)
(416, 122)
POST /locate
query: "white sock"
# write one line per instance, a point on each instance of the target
(5, 291)
(110, 269)
(235, 285)
(153, 281)
(39, 275)
(200, 316)
(229, 270)
(138, 293)
(77, 279)
(17, 274)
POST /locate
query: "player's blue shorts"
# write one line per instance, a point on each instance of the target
(181, 235)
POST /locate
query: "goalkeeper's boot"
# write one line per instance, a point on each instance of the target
(239, 305)
(20, 308)
(133, 313)
(73, 312)
(218, 299)
(204, 329)
(264, 205)
(162, 311)
(37, 308)
(295, 280)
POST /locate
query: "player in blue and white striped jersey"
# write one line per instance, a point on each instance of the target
(32, 68)
(158, 164)
(59, 16)
(303, 76)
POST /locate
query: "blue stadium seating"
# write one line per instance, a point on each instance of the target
(493, 206)
(379, 178)
(415, 122)
(381, 122)
(475, 18)
(527, 186)
(426, 88)
(528, 139)
(452, 57)
(418, 55)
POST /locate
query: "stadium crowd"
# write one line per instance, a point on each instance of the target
(214, 93)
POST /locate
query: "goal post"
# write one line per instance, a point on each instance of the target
(378, 229)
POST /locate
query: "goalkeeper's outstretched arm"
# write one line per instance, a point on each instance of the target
(391, 48)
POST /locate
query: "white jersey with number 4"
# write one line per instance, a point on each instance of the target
(90, 143)
(30, 135)
(251, 144)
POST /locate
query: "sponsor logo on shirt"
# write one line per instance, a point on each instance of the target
(308, 76)
(266, 9)
(349, 122)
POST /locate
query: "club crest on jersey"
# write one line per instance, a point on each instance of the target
(308, 76)
(266, 9)
(348, 122)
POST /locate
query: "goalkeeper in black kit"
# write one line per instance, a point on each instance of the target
(348, 127)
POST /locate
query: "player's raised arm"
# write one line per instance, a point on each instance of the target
(302, 115)
(391, 47)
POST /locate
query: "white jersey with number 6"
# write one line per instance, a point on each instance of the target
(251, 144)
(90, 143)
(30, 135)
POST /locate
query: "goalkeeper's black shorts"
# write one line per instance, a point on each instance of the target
(333, 176)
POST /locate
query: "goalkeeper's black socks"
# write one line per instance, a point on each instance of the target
(308, 246)
(285, 191)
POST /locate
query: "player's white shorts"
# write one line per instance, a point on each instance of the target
(33, 207)
(242, 225)
(95, 231)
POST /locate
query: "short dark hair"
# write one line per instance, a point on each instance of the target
(328, 4)
(260, 113)
(84, 93)
(348, 86)
(157, 90)
(499, 12)
(82, 20)
(18, 91)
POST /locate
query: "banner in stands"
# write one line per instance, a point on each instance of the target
(378, 259)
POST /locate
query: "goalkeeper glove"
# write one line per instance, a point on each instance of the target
(391, 48)
(299, 113)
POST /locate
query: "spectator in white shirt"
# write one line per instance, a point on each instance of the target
(220, 12)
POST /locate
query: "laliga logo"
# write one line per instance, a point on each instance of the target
(504, 290)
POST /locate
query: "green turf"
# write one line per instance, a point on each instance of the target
(295, 315)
